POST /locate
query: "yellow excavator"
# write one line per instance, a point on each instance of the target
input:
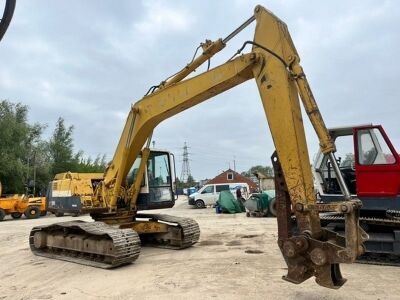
(139, 178)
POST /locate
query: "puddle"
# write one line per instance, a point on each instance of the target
(249, 236)
(209, 243)
(252, 251)
(234, 243)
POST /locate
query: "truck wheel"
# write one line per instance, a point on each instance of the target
(16, 215)
(199, 204)
(32, 212)
(76, 214)
(272, 206)
(2, 214)
(59, 214)
(43, 213)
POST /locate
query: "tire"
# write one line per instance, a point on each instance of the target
(59, 214)
(43, 213)
(76, 215)
(2, 214)
(272, 207)
(32, 212)
(16, 215)
(199, 204)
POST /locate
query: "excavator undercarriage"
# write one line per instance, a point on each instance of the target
(89, 243)
(108, 246)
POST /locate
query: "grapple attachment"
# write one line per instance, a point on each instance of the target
(316, 254)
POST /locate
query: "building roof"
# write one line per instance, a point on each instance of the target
(230, 176)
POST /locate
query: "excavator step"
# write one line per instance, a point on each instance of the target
(89, 243)
(186, 233)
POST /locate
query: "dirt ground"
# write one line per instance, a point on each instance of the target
(236, 258)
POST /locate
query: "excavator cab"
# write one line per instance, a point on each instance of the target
(369, 164)
(158, 185)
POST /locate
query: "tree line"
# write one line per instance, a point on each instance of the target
(266, 170)
(29, 161)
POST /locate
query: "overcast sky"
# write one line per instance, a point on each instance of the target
(87, 61)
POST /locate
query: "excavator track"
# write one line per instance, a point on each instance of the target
(392, 221)
(188, 236)
(395, 222)
(89, 243)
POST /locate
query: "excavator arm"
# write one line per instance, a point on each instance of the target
(274, 64)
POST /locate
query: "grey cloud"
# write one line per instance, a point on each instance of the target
(89, 60)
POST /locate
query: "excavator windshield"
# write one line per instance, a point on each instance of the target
(157, 184)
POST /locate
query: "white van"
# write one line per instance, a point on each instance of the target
(209, 193)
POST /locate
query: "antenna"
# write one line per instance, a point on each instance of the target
(185, 164)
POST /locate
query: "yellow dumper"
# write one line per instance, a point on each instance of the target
(16, 205)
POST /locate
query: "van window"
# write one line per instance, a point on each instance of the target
(208, 190)
(220, 188)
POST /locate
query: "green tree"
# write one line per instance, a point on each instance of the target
(64, 159)
(61, 148)
(18, 138)
(27, 162)
(266, 170)
(190, 181)
(90, 166)
(179, 184)
(182, 185)
(39, 171)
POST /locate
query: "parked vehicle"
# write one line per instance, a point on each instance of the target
(72, 192)
(370, 166)
(261, 204)
(17, 205)
(209, 193)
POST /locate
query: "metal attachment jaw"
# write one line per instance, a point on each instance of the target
(315, 254)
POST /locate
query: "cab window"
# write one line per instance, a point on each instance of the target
(131, 177)
(373, 149)
(158, 169)
(208, 190)
(220, 188)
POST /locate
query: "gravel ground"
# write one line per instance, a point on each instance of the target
(236, 258)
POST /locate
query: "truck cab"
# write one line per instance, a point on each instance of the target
(370, 166)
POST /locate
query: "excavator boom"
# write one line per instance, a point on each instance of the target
(274, 64)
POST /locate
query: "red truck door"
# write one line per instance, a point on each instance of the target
(377, 163)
